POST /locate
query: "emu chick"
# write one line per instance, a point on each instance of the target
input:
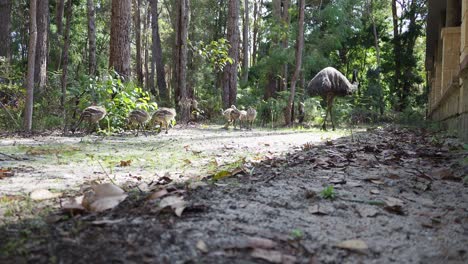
(163, 116)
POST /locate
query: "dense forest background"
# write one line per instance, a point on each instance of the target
(60, 56)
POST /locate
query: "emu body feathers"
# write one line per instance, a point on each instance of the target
(329, 83)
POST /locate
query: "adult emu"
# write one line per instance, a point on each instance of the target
(329, 83)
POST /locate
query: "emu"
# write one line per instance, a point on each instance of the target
(92, 114)
(138, 117)
(163, 116)
(329, 83)
(235, 115)
(251, 115)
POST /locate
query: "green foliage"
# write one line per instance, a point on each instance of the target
(118, 97)
(215, 52)
(328, 193)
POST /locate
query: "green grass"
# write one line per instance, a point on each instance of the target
(328, 193)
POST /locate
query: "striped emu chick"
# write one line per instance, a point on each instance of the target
(92, 115)
(242, 118)
(251, 115)
(235, 115)
(139, 117)
(163, 116)
(227, 115)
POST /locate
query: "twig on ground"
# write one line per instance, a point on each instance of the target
(9, 156)
(108, 176)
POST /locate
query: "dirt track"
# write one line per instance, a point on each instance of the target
(400, 198)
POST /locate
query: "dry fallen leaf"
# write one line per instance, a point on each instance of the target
(74, 205)
(272, 256)
(125, 163)
(158, 194)
(176, 203)
(103, 197)
(393, 205)
(259, 242)
(201, 245)
(353, 245)
(43, 194)
(6, 173)
(318, 209)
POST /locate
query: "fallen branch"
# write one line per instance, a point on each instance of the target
(9, 156)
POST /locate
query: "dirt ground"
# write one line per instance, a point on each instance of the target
(386, 195)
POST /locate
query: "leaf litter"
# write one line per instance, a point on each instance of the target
(248, 218)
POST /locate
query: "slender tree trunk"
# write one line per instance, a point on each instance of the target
(91, 38)
(245, 43)
(284, 42)
(257, 13)
(5, 28)
(230, 70)
(146, 46)
(180, 59)
(119, 54)
(139, 67)
(28, 112)
(377, 52)
(396, 54)
(157, 53)
(59, 16)
(297, 71)
(66, 46)
(40, 72)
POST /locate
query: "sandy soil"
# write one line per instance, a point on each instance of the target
(398, 197)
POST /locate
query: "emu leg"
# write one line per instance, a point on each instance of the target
(167, 127)
(330, 103)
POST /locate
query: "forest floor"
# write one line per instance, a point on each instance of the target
(208, 195)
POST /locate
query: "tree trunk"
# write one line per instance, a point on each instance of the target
(180, 59)
(40, 72)
(119, 54)
(245, 44)
(139, 67)
(146, 46)
(257, 13)
(66, 46)
(5, 28)
(91, 38)
(157, 53)
(230, 70)
(377, 53)
(297, 71)
(28, 112)
(396, 54)
(59, 16)
(284, 42)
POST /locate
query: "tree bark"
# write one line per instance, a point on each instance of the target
(59, 16)
(28, 112)
(180, 59)
(66, 46)
(245, 43)
(5, 28)
(40, 72)
(230, 70)
(119, 55)
(396, 54)
(257, 13)
(139, 67)
(297, 71)
(146, 46)
(157, 53)
(91, 38)
(284, 42)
